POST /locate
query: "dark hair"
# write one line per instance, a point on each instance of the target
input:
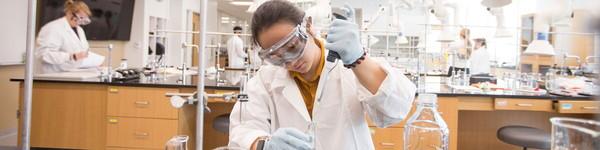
(272, 12)
(237, 28)
(482, 41)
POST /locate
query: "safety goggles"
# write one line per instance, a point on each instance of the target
(288, 49)
(82, 20)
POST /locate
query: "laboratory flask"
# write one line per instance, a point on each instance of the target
(425, 129)
(178, 142)
(575, 134)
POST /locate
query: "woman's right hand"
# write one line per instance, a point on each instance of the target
(80, 55)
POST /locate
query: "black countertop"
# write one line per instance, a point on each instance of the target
(435, 85)
(170, 81)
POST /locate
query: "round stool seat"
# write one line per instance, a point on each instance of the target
(525, 136)
(221, 123)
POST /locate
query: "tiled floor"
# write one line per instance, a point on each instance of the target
(8, 141)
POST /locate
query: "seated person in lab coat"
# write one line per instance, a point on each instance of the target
(480, 59)
(301, 100)
(61, 44)
(236, 55)
(461, 50)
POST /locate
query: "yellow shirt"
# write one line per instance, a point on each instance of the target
(308, 88)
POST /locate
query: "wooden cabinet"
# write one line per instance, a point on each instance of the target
(523, 104)
(139, 117)
(387, 138)
(392, 137)
(140, 102)
(67, 116)
(578, 107)
(139, 132)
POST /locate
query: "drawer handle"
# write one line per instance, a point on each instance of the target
(387, 144)
(142, 102)
(141, 134)
(113, 90)
(525, 105)
(589, 108)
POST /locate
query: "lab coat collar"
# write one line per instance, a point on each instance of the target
(284, 83)
(79, 35)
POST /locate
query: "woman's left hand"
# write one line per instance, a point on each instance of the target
(344, 38)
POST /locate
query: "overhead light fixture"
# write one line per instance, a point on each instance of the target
(241, 3)
(224, 21)
(540, 46)
(501, 30)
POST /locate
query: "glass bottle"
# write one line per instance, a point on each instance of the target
(426, 130)
(178, 142)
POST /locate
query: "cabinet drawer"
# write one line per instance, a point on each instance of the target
(387, 138)
(140, 102)
(579, 107)
(522, 104)
(139, 132)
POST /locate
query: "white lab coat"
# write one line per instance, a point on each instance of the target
(255, 60)
(455, 47)
(236, 56)
(479, 61)
(275, 102)
(56, 42)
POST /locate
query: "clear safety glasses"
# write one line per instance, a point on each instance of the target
(288, 49)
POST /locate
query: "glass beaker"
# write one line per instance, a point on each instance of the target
(178, 142)
(575, 134)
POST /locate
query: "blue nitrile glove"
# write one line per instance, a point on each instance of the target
(343, 38)
(289, 139)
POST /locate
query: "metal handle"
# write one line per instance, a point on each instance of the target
(589, 108)
(142, 102)
(141, 134)
(387, 144)
(179, 94)
(525, 105)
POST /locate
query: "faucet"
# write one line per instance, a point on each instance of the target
(590, 58)
(109, 74)
(183, 65)
(217, 65)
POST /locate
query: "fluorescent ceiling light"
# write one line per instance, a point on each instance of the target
(241, 3)
(224, 21)
(224, 18)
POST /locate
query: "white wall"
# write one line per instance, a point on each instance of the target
(14, 14)
(180, 18)
(135, 48)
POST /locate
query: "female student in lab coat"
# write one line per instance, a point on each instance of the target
(461, 50)
(61, 44)
(480, 59)
(302, 101)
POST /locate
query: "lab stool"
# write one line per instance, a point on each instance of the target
(221, 123)
(526, 137)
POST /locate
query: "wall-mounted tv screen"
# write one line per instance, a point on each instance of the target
(111, 19)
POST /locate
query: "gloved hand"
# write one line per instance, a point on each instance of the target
(289, 139)
(343, 37)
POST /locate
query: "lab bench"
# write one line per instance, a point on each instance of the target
(137, 115)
